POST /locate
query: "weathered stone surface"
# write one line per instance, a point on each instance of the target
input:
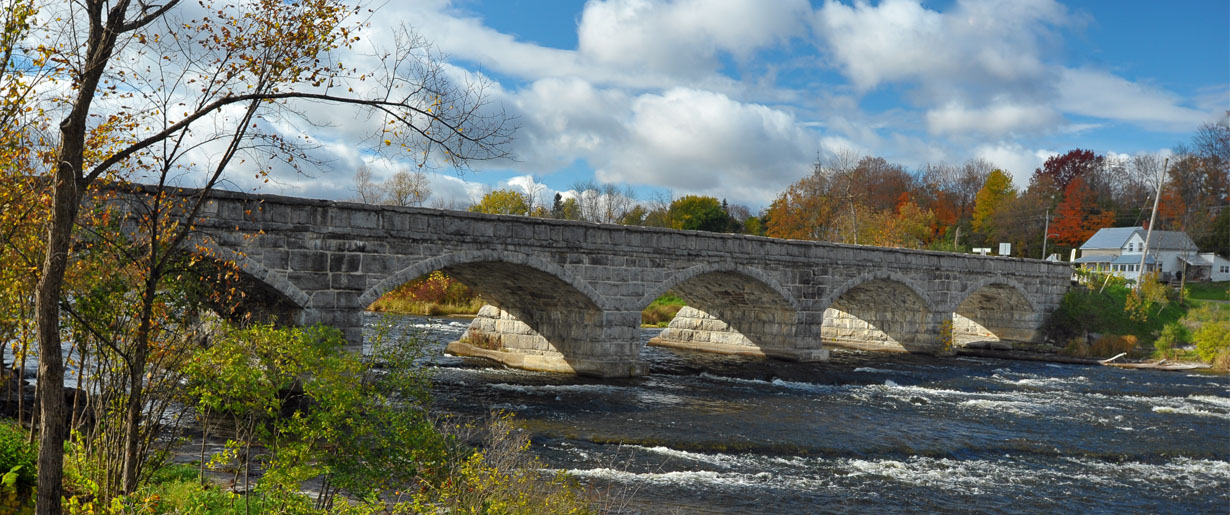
(570, 293)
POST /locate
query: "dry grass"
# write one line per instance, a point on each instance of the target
(415, 307)
(1104, 347)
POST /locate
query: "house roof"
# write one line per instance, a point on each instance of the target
(1197, 260)
(1115, 237)
(1125, 259)
(1101, 258)
(1132, 259)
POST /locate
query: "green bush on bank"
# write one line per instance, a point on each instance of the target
(1137, 320)
(1173, 336)
(358, 425)
(16, 454)
(1108, 305)
(17, 469)
(1212, 340)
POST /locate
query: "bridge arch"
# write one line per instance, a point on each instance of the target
(994, 309)
(761, 281)
(538, 314)
(207, 248)
(455, 259)
(879, 310)
(267, 297)
(732, 308)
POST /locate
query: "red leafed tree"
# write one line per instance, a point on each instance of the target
(1077, 217)
(1063, 169)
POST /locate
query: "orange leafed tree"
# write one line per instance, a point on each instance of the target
(1077, 218)
(803, 211)
(1171, 208)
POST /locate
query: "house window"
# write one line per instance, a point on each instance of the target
(1224, 269)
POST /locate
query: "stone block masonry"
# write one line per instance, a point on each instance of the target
(569, 294)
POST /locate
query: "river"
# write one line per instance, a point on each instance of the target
(864, 432)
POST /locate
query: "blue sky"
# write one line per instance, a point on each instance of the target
(735, 98)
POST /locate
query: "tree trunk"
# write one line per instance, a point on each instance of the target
(70, 181)
(65, 202)
(136, 386)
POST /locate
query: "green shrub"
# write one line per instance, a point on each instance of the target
(1173, 335)
(659, 315)
(1107, 305)
(1212, 340)
(662, 310)
(15, 452)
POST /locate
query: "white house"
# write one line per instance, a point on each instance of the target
(1117, 250)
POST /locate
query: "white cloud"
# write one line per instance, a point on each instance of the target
(995, 120)
(703, 142)
(648, 96)
(1015, 159)
(1103, 95)
(465, 37)
(566, 119)
(644, 99)
(986, 42)
(683, 37)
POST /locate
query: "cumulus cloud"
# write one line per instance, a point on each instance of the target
(683, 37)
(994, 41)
(995, 120)
(648, 96)
(1015, 159)
(1103, 95)
(704, 142)
(565, 119)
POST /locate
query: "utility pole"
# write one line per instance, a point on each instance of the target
(1152, 220)
(1046, 231)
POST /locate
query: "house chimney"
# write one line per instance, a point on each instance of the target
(1144, 224)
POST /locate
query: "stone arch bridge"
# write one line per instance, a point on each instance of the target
(568, 296)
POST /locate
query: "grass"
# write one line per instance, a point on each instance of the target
(660, 312)
(1209, 291)
(388, 304)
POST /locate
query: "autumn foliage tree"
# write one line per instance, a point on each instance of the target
(1078, 216)
(698, 213)
(503, 202)
(134, 78)
(803, 211)
(995, 191)
(1063, 169)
